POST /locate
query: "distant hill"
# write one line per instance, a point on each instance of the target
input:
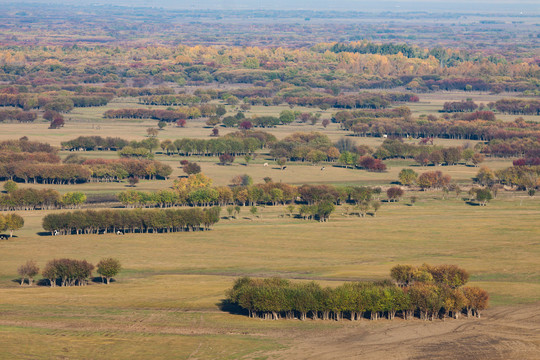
(526, 6)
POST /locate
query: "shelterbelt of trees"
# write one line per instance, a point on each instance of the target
(46, 199)
(132, 221)
(29, 161)
(478, 125)
(428, 291)
(197, 190)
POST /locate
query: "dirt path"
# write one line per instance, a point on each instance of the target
(502, 333)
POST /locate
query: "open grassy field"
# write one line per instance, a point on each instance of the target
(166, 302)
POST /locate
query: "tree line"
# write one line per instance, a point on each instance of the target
(45, 199)
(88, 143)
(196, 190)
(156, 114)
(18, 115)
(516, 146)
(517, 106)
(520, 175)
(170, 100)
(98, 170)
(428, 292)
(213, 147)
(60, 103)
(131, 221)
(474, 129)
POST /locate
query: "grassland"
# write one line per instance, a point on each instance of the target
(166, 301)
(167, 298)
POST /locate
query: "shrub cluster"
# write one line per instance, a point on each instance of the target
(429, 292)
(141, 221)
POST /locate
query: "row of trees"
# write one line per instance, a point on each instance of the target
(138, 220)
(424, 155)
(46, 199)
(364, 100)
(524, 177)
(517, 106)
(60, 103)
(9, 157)
(213, 147)
(197, 190)
(460, 106)
(479, 125)
(118, 169)
(88, 143)
(69, 272)
(25, 145)
(526, 147)
(432, 292)
(427, 180)
(89, 170)
(155, 114)
(18, 115)
(170, 100)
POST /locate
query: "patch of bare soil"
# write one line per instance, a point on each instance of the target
(501, 333)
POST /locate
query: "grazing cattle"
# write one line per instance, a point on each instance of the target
(265, 164)
(55, 232)
(283, 168)
(3, 237)
(119, 233)
(323, 168)
(385, 136)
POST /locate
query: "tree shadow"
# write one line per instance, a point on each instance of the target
(233, 309)
(472, 203)
(44, 233)
(100, 280)
(45, 282)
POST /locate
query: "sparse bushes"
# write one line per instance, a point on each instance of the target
(28, 271)
(394, 193)
(191, 168)
(69, 272)
(11, 222)
(433, 180)
(108, 268)
(407, 177)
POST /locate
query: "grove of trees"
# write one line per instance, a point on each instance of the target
(132, 221)
(429, 292)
